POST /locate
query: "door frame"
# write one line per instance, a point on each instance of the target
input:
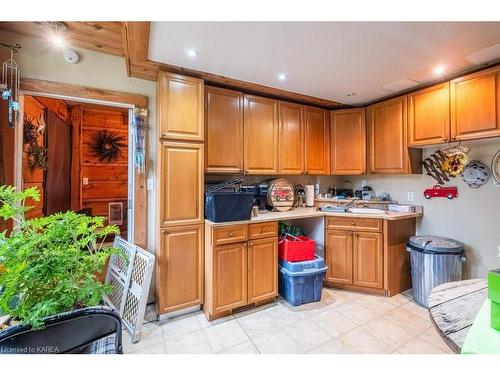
(137, 194)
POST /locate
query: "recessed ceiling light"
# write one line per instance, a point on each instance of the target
(282, 76)
(192, 52)
(351, 94)
(439, 70)
(57, 40)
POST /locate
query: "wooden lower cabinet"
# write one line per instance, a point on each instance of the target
(354, 253)
(338, 253)
(242, 272)
(262, 269)
(229, 270)
(367, 260)
(179, 272)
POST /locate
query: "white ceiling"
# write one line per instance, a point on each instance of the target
(326, 59)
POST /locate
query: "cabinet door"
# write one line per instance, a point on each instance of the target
(317, 141)
(262, 269)
(338, 256)
(260, 135)
(180, 107)
(181, 183)
(429, 116)
(291, 138)
(348, 141)
(367, 260)
(223, 130)
(475, 105)
(229, 270)
(179, 271)
(387, 133)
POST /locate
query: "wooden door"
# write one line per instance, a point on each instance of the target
(429, 116)
(229, 270)
(368, 260)
(262, 269)
(317, 141)
(291, 138)
(223, 130)
(181, 183)
(348, 141)
(179, 272)
(387, 137)
(57, 186)
(260, 135)
(180, 107)
(475, 105)
(338, 256)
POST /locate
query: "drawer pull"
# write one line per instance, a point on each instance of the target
(230, 234)
(353, 223)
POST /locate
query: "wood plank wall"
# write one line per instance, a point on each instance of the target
(7, 142)
(107, 182)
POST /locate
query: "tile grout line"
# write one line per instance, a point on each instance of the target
(243, 329)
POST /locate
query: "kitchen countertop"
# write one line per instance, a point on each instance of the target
(301, 212)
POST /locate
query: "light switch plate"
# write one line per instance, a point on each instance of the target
(411, 196)
(85, 181)
(150, 184)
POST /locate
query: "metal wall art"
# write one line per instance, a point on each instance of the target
(36, 155)
(106, 146)
(140, 124)
(446, 163)
(11, 77)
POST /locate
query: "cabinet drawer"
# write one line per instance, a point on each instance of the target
(354, 223)
(263, 230)
(230, 234)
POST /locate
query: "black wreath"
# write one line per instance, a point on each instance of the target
(106, 146)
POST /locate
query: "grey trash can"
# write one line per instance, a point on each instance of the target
(434, 261)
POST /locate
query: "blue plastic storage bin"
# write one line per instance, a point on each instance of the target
(302, 282)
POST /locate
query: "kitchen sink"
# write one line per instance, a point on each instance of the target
(356, 210)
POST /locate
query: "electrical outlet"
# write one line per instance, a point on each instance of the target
(85, 181)
(498, 252)
(363, 183)
(411, 196)
(150, 184)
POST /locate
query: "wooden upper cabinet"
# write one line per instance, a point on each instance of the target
(317, 141)
(180, 107)
(338, 256)
(429, 116)
(388, 152)
(475, 105)
(260, 135)
(368, 260)
(229, 273)
(262, 269)
(291, 138)
(179, 271)
(348, 141)
(223, 130)
(181, 183)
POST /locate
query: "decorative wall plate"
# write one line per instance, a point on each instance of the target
(476, 174)
(495, 168)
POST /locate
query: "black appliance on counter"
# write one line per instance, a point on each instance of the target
(259, 192)
(227, 202)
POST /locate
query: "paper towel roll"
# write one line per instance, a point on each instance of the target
(309, 195)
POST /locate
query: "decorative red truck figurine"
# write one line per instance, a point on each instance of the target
(449, 192)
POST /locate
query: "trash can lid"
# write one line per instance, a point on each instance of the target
(436, 245)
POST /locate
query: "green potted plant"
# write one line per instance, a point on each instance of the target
(49, 265)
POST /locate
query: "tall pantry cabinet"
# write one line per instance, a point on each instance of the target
(179, 271)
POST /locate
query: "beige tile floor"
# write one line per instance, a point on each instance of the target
(342, 322)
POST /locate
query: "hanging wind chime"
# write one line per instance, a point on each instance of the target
(11, 76)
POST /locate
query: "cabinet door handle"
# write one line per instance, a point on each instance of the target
(230, 234)
(250, 244)
(353, 223)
